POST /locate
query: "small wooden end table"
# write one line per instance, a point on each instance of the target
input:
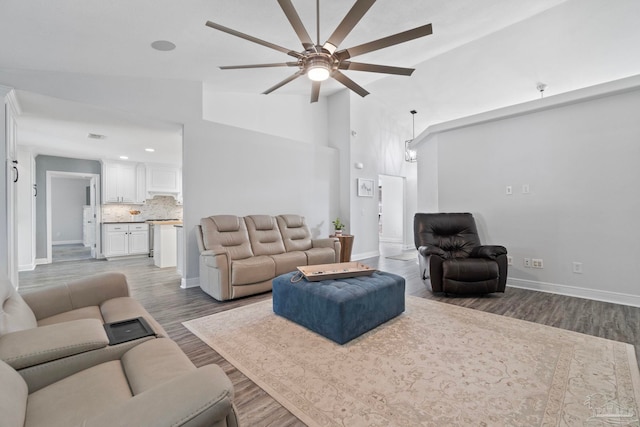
(346, 244)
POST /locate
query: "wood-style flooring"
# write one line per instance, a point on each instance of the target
(158, 290)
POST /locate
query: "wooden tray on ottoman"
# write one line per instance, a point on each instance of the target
(315, 273)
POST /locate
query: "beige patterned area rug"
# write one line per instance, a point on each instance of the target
(434, 365)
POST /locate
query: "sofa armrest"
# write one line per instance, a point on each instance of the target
(488, 251)
(34, 346)
(431, 250)
(201, 397)
(216, 259)
(324, 243)
(80, 293)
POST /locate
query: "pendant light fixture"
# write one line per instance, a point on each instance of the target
(410, 155)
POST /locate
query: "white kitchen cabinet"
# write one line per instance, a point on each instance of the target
(125, 239)
(120, 182)
(165, 180)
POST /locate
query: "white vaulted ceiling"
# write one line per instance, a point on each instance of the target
(460, 69)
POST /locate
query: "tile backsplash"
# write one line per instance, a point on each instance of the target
(160, 207)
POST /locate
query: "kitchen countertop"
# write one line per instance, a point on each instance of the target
(123, 222)
(177, 222)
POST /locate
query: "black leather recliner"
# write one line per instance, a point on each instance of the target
(451, 258)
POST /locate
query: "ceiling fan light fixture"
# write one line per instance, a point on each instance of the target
(318, 69)
(318, 73)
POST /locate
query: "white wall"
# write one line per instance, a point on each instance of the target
(340, 137)
(379, 145)
(67, 201)
(288, 116)
(240, 172)
(580, 162)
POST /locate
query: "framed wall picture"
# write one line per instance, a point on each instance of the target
(365, 187)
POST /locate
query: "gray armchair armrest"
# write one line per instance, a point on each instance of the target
(201, 397)
(34, 346)
(431, 250)
(488, 251)
(85, 292)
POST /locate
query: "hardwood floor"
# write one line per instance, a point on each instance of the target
(158, 290)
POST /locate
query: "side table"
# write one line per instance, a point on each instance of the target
(346, 244)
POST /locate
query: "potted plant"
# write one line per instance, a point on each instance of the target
(338, 226)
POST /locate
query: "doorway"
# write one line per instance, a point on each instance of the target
(72, 216)
(391, 209)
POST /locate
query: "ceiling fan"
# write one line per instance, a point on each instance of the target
(319, 62)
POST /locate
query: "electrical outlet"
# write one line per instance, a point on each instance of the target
(537, 263)
(525, 188)
(509, 260)
(577, 267)
(509, 190)
(527, 262)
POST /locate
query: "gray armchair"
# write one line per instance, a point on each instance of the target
(451, 257)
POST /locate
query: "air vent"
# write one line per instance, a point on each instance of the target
(96, 136)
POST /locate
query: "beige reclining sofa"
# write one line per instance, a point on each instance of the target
(58, 368)
(153, 384)
(240, 256)
(56, 331)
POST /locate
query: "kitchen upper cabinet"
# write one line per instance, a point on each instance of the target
(163, 180)
(120, 182)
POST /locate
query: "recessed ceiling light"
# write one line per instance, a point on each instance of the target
(163, 45)
(124, 157)
(150, 150)
(95, 136)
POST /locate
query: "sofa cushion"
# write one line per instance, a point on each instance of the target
(252, 270)
(147, 366)
(264, 235)
(69, 401)
(288, 261)
(228, 233)
(92, 312)
(15, 314)
(13, 397)
(295, 234)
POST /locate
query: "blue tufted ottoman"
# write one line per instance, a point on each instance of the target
(340, 309)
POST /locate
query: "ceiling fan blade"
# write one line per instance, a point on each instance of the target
(350, 20)
(315, 91)
(349, 83)
(395, 39)
(296, 23)
(284, 82)
(374, 68)
(279, 64)
(253, 39)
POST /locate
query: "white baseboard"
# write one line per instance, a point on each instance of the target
(40, 261)
(189, 283)
(27, 267)
(390, 240)
(573, 291)
(364, 255)
(66, 242)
